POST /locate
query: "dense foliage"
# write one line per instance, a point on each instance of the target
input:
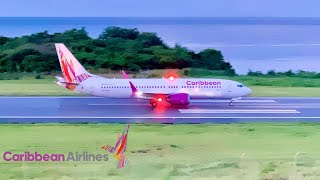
(116, 48)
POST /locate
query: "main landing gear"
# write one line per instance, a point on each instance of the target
(153, 103)
(157, 101)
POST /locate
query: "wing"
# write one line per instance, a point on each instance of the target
(141, 95)
(173, 99)
(61, 80)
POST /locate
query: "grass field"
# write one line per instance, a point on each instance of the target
(47, 87)
(32, 87)
(285, 91)
(233, 151)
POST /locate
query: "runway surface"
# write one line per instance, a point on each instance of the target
(103, 110)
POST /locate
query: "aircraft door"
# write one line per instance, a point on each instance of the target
(227, 90)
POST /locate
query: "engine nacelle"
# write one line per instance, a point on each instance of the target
(179, 99)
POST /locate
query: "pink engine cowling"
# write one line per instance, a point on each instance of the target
(179, 99)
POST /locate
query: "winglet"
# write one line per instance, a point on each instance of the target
(124, 74)
(133, 88)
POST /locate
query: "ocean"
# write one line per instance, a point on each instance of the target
(257, 44)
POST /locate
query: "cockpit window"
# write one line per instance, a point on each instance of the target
(239, 85)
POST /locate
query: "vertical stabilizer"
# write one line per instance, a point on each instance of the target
(72, 70)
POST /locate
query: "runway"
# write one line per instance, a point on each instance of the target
(103, 110)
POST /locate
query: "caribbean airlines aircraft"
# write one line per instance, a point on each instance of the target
(175, 91)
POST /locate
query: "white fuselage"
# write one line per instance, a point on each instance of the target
(196, 88)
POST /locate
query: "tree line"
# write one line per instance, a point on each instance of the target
(116, 48)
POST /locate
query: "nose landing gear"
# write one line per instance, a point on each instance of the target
(231, 103)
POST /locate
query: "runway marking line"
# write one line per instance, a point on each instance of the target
(50, 97)
(236, 101)
(132, 104)
(236, 111)
(156, 117)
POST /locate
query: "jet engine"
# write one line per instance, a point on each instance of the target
(179, 99)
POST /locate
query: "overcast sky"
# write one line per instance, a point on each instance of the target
(160, 8)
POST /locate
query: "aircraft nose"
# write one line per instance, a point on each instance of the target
(249, 91)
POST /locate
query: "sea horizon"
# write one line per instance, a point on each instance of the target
(182, 20)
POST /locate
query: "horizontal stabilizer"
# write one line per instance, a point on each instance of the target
(61, 80)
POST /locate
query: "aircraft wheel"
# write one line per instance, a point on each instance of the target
(154, 104)
(231, 103)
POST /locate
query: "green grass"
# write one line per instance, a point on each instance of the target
(234, 151)
(32, 87)
(285, 91)
(278, 81)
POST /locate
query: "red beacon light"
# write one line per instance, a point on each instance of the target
(171, 76)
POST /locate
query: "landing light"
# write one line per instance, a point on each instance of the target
(139, 93)
(159, 99)
(171, 78)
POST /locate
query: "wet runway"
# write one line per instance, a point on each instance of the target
(103, 110)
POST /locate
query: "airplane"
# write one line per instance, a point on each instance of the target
(173, 91)
(119, 148)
